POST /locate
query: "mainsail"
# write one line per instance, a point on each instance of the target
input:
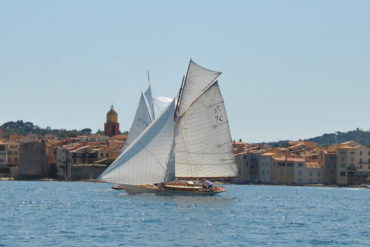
(203, 140)
(145, 161)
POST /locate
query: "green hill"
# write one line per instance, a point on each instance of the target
(23, 128)
(357, 135)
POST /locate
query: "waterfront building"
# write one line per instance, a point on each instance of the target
(282, 171)
(13, 153)
(111, 127)
(307, 172)
(82, 157)
(328, 160)
(3, 153)
(243, 167)
(353, 163)
(33, 160)
(265, 167)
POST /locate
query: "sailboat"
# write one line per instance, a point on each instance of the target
(189, 142)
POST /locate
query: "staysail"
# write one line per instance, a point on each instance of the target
(143, 117)
(145, 161)
(149, 101)
(203, 140)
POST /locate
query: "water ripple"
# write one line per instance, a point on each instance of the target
(91, 214)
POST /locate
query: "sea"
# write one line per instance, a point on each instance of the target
(35, 213)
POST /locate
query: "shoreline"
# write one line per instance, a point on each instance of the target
(218, 183)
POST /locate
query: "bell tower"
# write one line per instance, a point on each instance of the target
(111, 127)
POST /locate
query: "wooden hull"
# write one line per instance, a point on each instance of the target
(152, 189)
(118, 187)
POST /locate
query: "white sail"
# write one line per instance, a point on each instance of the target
(197, 80)
(203, 140)
(145, 161)
(141, 121)
(149, 100)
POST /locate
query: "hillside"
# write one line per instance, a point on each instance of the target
(357, 135)
(23, 128)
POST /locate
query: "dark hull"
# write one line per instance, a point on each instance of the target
(149, 189)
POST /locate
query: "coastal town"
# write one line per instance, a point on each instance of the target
(85, 157)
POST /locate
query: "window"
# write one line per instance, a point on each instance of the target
(281, 164)
(360, 152)
(300, 180)
(368, 167)
(368, 153)
(352, 153)
(310, 180)
(342, 152)
(352, 159)
(290, 164)
(281, 172)
(299, 172)
(15, 152)
(318, 174)
(310, 174)
(342, 158)
(106, 155)
(300, 164)
(101, 155)
(343, 174)
(343, 165)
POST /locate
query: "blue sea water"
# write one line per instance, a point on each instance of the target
(92, 214)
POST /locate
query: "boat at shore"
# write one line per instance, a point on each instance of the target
(190, 139)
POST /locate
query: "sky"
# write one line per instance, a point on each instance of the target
(291, 69)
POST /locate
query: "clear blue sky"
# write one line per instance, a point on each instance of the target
(291, 69)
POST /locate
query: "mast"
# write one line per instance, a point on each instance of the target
(179, 95)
